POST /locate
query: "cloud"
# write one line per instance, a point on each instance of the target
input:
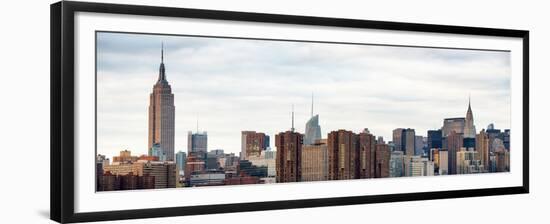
(232, 85)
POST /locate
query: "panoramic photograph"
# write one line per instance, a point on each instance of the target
(177, 111)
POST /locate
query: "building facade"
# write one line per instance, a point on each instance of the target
(253, 144)
(289, 156)
(197, 143)
(315, 162)
(367, 154)
(343, 155)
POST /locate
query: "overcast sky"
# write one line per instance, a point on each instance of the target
(231, 85)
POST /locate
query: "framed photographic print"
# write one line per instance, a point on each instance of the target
(159, 111)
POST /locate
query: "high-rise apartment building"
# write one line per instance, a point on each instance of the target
(367, 151)
(343, 155)
(315, 161)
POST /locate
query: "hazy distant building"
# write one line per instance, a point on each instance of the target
(181, 158)
(162, 114)
(419, 145)
(397, 168)
(443, 162)
(253, 144)
(397, 135)
(157, 151)
(419, 166)
(197, 143)
(380, 140)
(266, 159)
(315, 161)
(382, 161)
(343, 155)
(482, 147)
(409, 141)
(453, 144)
(453, 124)
(468, 162)
(502, 161)
(125, 156)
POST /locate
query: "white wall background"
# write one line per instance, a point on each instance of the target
(24, 124)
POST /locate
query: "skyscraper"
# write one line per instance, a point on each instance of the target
(197, 143)
(367, 150)
(289, 155)
(453, 145)
(253, 144)
(419, 145)
(435, 139)
(162, 114)
(314, 162)
(382, 166)
(313, 130)
(398, 139)
(453, 124)
(469, 127)
(482, 147)
(408, 142)
(343, 155)
(181, 158)
(397, 164)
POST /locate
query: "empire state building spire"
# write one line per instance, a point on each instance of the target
(162, 72)
(162, 114)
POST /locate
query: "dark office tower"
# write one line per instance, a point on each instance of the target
(408, 142)
(482, 148)
(197, 143)
(313, 130)
(289, 154)
(367, 150)
(266, 142)
(453, 144)
(253, 144)
(343, 155)
(435, 140)
(382, 166)
(162, 114)
(398, 139)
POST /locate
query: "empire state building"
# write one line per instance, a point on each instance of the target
(162, 114)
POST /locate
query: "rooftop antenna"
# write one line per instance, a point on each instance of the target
(162, 52)
(311, 104)
(197, 124)
(292, 129)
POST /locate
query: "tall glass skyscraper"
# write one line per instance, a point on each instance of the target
(313, 130)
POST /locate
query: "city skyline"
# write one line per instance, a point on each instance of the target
(350, 100)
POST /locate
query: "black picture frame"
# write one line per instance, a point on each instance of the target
(62, 110)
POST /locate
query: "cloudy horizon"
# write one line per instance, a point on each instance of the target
(232, 85)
